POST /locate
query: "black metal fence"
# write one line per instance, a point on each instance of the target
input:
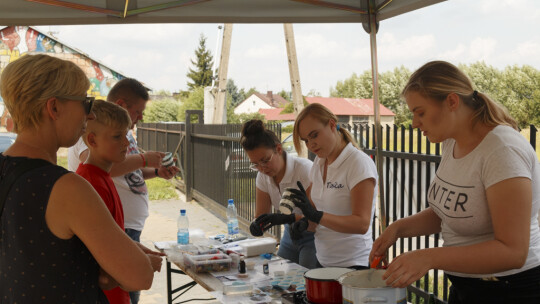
(215, 168)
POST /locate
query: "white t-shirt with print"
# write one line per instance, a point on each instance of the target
(131, 187)
(296, 169)
(334, 196)
(73, 154)
(458, 191)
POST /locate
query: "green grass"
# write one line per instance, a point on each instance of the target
(158, 188)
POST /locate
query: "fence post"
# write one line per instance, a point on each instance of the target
(188, 160)
(532, 136)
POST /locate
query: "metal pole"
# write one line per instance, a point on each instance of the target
(378, 131)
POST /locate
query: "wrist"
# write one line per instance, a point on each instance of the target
(144, 164)
(291, 218)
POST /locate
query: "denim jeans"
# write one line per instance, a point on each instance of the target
(520, 288)
(301, 252)
(136, 236)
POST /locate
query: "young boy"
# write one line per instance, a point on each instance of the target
(106, 139)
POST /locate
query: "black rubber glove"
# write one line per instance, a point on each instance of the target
(255, 229)
(300, 200)
(271, 219)
(296, 229)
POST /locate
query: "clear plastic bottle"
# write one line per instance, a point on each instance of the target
(232, 220)
(183, 228)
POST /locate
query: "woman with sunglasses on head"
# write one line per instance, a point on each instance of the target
(58, 241)
(340, 200)
(277, 170)
(484, 198)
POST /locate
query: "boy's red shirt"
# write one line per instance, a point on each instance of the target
(104, 186)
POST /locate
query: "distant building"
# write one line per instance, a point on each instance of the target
(257, 101)
(17, 41)
(348, 110)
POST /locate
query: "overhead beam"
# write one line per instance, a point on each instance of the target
(163, 6)
(81, 7)
(334, 5)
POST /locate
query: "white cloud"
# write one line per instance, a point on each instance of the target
(263, 52)
(454, 55)
(482, 49)
(394, 49)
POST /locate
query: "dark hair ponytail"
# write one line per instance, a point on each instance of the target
(255, 135)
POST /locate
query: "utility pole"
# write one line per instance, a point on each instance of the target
(296, 88)
(220, 105)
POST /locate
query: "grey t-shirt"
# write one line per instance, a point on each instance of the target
(458, 191)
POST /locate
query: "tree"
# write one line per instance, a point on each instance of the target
(201, 76)
(194, 101)
(287, 95)
(162, 110)
(313, 93)
(236, 95)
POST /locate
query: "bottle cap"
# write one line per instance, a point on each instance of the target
(231, 201)
(182, 211)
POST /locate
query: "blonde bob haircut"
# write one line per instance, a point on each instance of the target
(28, 82)
(109, 115)
(438, 79)
(322, 114)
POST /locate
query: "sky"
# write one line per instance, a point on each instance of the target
(500, 33)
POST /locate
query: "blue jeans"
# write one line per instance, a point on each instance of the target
(522, 288)
(136, 236)
(301, 252)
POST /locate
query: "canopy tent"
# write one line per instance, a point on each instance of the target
(366, 12)
(64, 12)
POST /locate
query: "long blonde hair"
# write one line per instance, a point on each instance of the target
(322, 114)
(437, 79)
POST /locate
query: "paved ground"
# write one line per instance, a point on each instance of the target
(161, 226)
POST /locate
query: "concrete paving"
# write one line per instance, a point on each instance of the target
(161, 226)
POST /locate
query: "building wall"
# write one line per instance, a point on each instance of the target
(251, 105)
(17, 41)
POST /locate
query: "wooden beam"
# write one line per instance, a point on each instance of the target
(334, 5)
(81, 7)
(221, 104)
(294, 73)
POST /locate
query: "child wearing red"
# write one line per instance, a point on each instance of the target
(106, 139)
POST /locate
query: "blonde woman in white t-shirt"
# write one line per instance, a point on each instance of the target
(276, 171)
(340, 198)
(484, 199)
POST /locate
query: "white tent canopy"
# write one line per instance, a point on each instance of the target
(65, 12)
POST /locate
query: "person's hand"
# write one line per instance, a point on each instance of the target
(269, 220)
(382, 243)
(407, 268)
(153, 158)
(301, 200)
(155, 261)
(105, 281)
(167, 172)
(296, 229)
(256, 228)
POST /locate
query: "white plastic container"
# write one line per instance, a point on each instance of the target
(357, 287)
(207, 262)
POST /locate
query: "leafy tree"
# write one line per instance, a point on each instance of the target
(162, 110)
(287, 95)
(194, 101)
(236, 95)
(289, 107)
(313, 93)
(201, 76)
(390, 85)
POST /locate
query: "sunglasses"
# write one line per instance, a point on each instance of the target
(87, 101)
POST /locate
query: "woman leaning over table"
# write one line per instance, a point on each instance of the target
(57, 236)
(277, 170)
(484, 198)
(342, 189)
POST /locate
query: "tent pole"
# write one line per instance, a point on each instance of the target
(373, 26)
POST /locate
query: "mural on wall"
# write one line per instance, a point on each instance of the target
(17, 41)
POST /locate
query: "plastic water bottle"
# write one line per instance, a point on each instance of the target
(232, 220)
(183, 228)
